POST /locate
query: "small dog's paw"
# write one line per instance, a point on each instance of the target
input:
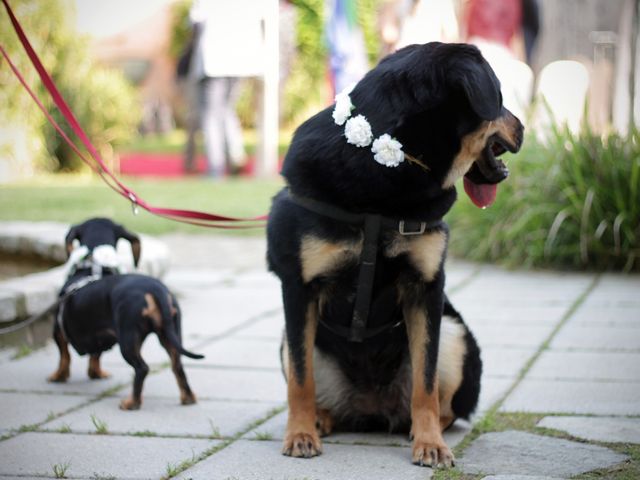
(58, 377)
(431, 454)
(130, 404)
(98, 374)
(188, 399)
(305, 445)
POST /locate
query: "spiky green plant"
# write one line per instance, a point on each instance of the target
(573, 202)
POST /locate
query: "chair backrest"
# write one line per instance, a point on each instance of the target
(561, 94)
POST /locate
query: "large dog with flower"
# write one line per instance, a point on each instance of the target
(358, 242)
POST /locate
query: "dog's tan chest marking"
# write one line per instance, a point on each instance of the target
(319, 256)
(425, 251)
(472, 145)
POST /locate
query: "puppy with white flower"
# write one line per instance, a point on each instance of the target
(358, 242)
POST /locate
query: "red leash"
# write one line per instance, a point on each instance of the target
(98, 165)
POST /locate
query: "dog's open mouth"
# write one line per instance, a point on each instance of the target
(481, 181)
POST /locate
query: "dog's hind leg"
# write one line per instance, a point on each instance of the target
(301, 437)
(95, 372)
(130, 349)
(62, 373)
(187, 397)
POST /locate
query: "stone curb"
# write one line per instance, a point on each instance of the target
(30, 294)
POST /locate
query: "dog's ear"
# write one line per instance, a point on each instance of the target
(133, 239)
(473, 75)
(72, 234)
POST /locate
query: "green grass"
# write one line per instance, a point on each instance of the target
(60, 469)
(74, 198)
(100, 425)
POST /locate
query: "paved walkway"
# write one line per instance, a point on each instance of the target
(561, 350)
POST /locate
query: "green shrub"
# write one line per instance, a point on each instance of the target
(104, 104)
(573, 203)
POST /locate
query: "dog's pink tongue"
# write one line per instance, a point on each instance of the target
(483, 194)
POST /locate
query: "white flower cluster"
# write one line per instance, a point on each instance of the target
(387, 150)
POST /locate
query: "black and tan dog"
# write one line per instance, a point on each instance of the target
(106, 308)
(371, 341)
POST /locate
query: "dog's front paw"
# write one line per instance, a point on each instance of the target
(130, 404)
(60, 376)
(187, 399)
(98, 374)
(432, 454)
(305, 445)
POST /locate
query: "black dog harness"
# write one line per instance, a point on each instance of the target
(372, 225)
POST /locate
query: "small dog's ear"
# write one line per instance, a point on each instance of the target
(479, 84)
(133, 239)
(72, 234)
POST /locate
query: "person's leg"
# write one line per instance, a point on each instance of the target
(192, 123)
(233, 129)
(213, 101)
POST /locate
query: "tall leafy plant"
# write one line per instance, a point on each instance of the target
(573, 202)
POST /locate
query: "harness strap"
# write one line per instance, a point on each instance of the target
(372, 225)
(366, 275)
(403, 227)
(58, 303)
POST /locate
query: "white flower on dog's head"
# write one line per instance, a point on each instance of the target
(358, 131)
(106, 256)
(388, 151)
(343, 108)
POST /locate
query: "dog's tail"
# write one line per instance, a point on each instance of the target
(170, 327)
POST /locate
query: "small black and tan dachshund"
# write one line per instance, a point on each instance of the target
(106, 308)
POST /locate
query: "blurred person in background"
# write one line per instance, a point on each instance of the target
(226, 33)
(511, 25)
(404, 22)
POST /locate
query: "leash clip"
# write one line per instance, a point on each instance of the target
(420, 231)
(134, 203)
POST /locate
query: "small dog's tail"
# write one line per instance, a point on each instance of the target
(170, 327)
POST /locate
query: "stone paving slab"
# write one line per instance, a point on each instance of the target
(262, 460)
(163, 417)
(215, 252)
(183, 281)
(607, 316)
(274, 429)
(221, 384)
(476, 313)
(586, 337)
(18, 409)
(271, 326)
(96, 455)
(214, 311)
(506, 289)
(616, 290)
(504, 362)
(579, 397)
(517, 453)
(492, 389)
(599, 429)
(240, 352)
(595, 366)
(29, 374)
(511, 336)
